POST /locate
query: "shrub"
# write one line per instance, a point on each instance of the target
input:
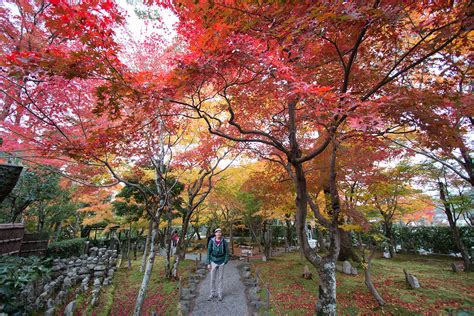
(437, 239)
(18, 277)
(66, 248)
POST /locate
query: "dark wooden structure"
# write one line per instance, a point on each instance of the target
(9, 175)
(11, 236)
(34, 244)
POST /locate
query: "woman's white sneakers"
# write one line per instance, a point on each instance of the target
(219, 297)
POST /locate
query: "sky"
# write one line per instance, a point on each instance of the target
(139, 28)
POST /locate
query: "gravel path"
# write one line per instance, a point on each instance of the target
(234, 301)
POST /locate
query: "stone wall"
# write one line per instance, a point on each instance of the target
(77, 275)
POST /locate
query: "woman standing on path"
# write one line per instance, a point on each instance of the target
(217, 257)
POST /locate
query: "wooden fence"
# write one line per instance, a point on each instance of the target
(14, 241)
(34, 245)
(11, 236)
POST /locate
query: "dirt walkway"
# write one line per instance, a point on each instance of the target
(234, 301)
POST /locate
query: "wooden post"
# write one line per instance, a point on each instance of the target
(200, 257)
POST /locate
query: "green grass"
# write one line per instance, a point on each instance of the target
(441, 292)
(119, 297)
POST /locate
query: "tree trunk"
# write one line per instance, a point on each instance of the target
(196, 231)
(370, 285)
(135, 246)
(58, 231)
(181, 245)
(129, 246)
(389, 236)
(167, 237)
(147, 242)
(254, 237)
(231, 239)
(347, 249)
(326, 266)
(265, 240)
(147, 274)
(367, 265)
(321, 241)
(468, 265)
(326, 304)
(289, 235)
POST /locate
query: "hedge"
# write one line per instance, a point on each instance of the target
(66, 248)
(437, 239)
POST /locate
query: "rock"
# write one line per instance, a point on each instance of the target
(99, 273)
(94, 300)
(455, 267)
(250, 282)
(411, 280)
(43, 296)
(67, 283)
(256, 304)
(346, 267)
(93, 251)
(183, 309)
(69, 310)
(49, 312)
(97, 282)
(306, 273)
(60, 297)
(253, 296)
(264, 258)
(100, 267)
(354, 271)
(106, 282)
(246, 274)
(50, 303)
(201, 271)
(185, 292)
(48, 287)
(83, 270)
